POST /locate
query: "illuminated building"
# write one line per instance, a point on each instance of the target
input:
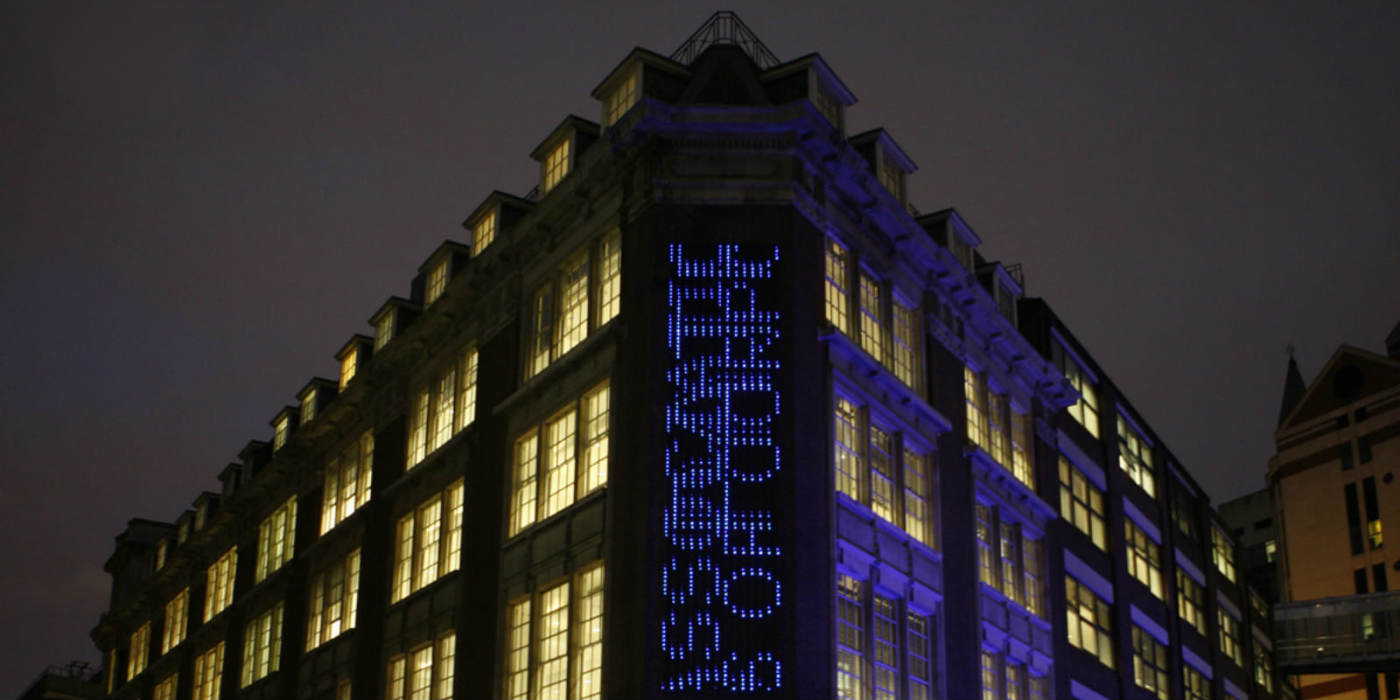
(713, 411)
(1333, 484)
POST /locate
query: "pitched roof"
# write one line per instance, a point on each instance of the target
(1293, 389)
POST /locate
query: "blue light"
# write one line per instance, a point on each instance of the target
(720, 588)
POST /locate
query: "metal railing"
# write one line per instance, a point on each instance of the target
(1343, 634)
(725, 28)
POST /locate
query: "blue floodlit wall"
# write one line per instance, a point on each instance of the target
(721, 577)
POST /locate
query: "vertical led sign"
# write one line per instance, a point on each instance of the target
(720, 580)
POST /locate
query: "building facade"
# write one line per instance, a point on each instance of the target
(713, 411)
(1332, 481)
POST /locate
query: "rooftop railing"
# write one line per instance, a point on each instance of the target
(725, 28)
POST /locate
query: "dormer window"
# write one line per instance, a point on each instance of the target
(161, 549)
(483, 232)
(280, 430)
(620, 100)
(961, 250)
(383, 330)
(555, 166)
(347, 366)
(829, 107)
(201, 515)
(308, 407)
(182, 533)
(437, 282)
(892, 176)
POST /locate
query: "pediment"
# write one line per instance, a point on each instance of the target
(1349, 376)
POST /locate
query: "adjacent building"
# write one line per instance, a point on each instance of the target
(1333, 483)
(711, 411)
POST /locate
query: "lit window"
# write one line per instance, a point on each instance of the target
(920, 656)
(262, 645)
(1081, 503)
(566, 632)
(162, 550)
(905, 360)
(1270, 551)
(1150, 664)
(218, 584)
(335, 598)
(991, 676)
(1032, 555)
(556, 166)
(987, 572)
(1263, 669)
(1015, 688)
(165, 688)
(1144, 557)
(1222, 553)
(1090, 624)
(1135, 457)
(280, 431)
(1194, 684)
(308, 407)
(1230, 636)
(620, 100)
(483, 232)
(546, 458)
(918, 520)
(384, 330)
(998, 428)
(895, 466)
(112, 670)
(442, 408)
(1190, 601)
(348, 479)
(348, 365)
(871, 333)
(1374, 533)
(886, 643)
(209, 673)
(837, 288)
(1086, 409)
(975, 396)
(1038, 687)
(561, 306)
(1022, 459)
(436, 284)
(425, 672)
(176, 617)
(426, 547)
(342, 689)
(276, 539)
(1010, 560)
(140, 651)
(850, 638)
(609, 277)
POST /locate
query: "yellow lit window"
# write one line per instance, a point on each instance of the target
(276, 539)
(162, 550)
(347, 483)
(975, 396)
(609, 277)
(209, 673)
(1135, 457)
(556, 166)
(837, 287)
(991, 676)
(572, 327)
(554, 640)
(347, 366)
(849, 448)
(548, 475)
(1081, 503)
(280, 432)
(588, 634)
(466, 390)
(871, 333)
(905, 345)
(165, 689)
(308, 407)
(1086, 409)
(436, 284)
(1190, 601)
(882, 476)
(1021, 450)
(516, 685)
(850, 638)
(483, 232)
(384, 330)
(335, 597)
(176, 617)
(998, 428)
(1144, 557)
(1222, 553)
(1374, 533)
(986, 541)
(1230, 636)
(1150, 664)
(140, 651)
(428, 542)
(620, 100)
(1032, 574)
(262, 645)
(573, 302)
(552, 643)
(918, 515)
(443, 408)
(218, 583)
(1090, 621)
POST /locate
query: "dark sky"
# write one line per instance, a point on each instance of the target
(200, 204)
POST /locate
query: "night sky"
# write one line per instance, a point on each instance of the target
(201, 204)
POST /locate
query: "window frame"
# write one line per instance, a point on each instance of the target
(546, 339)
(410, 573)
(529, 475)
(852, 420)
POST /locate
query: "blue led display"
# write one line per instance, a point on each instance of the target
(720, 583)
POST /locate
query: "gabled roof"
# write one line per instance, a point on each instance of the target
(1351, 375)
(1293, 389)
